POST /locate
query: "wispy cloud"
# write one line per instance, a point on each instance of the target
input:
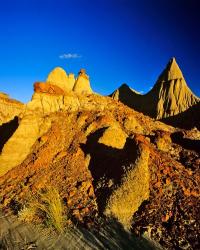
(70, 56)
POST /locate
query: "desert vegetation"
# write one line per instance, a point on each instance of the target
(134, 189)
(46, 206)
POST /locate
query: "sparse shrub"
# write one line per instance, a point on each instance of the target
(134, 189)
(27, 214)
(46, 204)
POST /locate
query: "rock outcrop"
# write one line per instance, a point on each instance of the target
(174, 96)
(114, 137)
(169, 96)
(9, 108)
(71, 80)
(43, 87)
(82, 84)
(59, 77)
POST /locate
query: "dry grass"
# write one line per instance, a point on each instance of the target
(134, 189)
(46, 204)
(27, 214)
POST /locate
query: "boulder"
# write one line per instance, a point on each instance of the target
(113, 137)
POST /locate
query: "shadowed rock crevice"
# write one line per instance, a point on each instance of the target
(107, 164)
(7, 130)
(178, 138)
(187, 119)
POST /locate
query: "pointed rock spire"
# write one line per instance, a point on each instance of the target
(169, 96)
(174, 95)
(82, 84)
(171, 72)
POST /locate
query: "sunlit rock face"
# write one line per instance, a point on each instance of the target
(169, 96)
(71, 80)
(174, 94)
(82, 84)
(59, 77)
(9, 108)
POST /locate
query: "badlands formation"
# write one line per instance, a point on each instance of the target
(169, 96)
(107, 160)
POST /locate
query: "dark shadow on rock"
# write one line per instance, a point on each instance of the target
(187, 119)
(112, 235)
(107, 163)
(7, 130)
(178, 138)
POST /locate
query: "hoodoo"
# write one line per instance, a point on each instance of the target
(82, 84)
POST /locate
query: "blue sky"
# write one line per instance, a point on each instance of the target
(117, 41)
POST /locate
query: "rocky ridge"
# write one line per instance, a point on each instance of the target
(169, 96)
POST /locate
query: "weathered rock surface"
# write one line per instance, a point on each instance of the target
(15, 235)
(188, 119)
(19, 145)
(41, 87)
(37, 120)
(82, 84)
(169, 96)
(174, 94)
(113, 136)
(59, 77)
(170, 216)
(9, 108)
(71, 80)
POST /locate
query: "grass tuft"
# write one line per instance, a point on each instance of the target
(134, 189)
(48, 205)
